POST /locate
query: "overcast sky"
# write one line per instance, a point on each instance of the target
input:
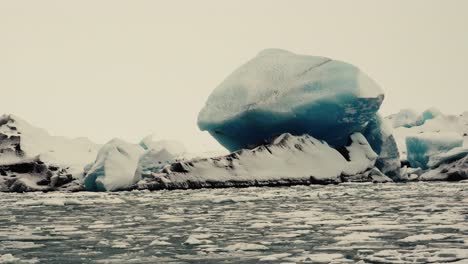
(105, 69)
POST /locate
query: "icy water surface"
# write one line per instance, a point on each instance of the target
(348, 223)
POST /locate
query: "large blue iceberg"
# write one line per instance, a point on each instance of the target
(279, 91)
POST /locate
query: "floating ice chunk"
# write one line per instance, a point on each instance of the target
(274, 257)
(358, 237)
(447, 157)
(9, 258)
(191, 240)
(159, 243)
(246, 247)
(317, 258)
(421, 147)
(424, 237)
(115, 167)
(281, 92)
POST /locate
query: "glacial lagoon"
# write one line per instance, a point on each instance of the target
(346, 223)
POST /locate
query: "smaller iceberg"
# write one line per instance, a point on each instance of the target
(115, 167)
(410, 118)
(171, 146)
(431, 122)
(158, 154)
(452, 171)
(447, 157)
(421, 148)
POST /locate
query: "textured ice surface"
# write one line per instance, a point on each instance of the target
(289, 159)
(452, 170)
(279, 91)
(447, 157)
(115, 167)
(380, 136)
(175, 148)
(372, 223)
(31, 159)
(421, 148)
(158, 154)
(410, 118)
(434, 122)
(20, 140)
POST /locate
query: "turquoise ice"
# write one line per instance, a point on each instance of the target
(281, 92)
(421, 148)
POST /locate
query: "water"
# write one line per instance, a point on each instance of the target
(348, 223)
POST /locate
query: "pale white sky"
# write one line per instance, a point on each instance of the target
(105, 69)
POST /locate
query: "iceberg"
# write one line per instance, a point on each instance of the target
(287, 160)
(115, 167)
(410, 118)
(430, 121)
(421, 148)
(456, 170)
(174, 147)
(19, 141)
(447, 157)
(33, 160)
(380, 136)
(281, 92)
(158, 154)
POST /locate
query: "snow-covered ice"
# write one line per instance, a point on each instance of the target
(26, 142)
(115, 167)
(32, 159)
(429, 122)
(289, 158)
